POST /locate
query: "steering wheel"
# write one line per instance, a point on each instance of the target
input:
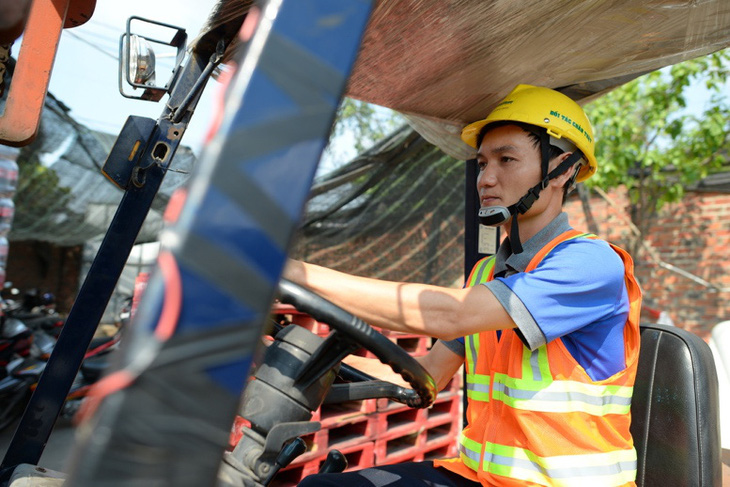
(351, 333)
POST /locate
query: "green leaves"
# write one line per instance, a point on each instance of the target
(365, 122)
(662, 132)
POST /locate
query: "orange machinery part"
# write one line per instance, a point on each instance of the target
(27, 91)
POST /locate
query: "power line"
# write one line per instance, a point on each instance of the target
(97, 36)
(91, 44)
(99, 23)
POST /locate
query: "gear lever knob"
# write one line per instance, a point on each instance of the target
(285, 457)
(334, 463)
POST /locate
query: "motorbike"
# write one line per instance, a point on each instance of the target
(22, 374)
(16, 388)
(92, 368)
(28, 337)
(35, 309)
(15, 339)
(16, 346)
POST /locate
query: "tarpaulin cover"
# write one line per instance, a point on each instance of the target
(445, 63)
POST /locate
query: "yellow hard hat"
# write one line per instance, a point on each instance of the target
(543, 107)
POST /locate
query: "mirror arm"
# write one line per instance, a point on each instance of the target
(215, 59)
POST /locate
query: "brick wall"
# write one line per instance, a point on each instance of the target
(33, 264)
(693, 235)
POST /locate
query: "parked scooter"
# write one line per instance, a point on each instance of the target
(16, 345)
(35, 309)
(24, 352)
(92, 368)
(16, 388)
(21, 377)
(15, 339)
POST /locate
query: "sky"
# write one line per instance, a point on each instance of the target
(85, 76)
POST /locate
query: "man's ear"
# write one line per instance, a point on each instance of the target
(560, 180)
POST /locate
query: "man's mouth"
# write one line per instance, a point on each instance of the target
(488, 200)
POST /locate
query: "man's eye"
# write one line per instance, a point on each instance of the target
(481, 165)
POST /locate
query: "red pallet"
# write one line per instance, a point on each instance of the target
(394, 448)
(330, 414)
(343, 435)
(414, 344)
(293, 474)
(439, 435)
(444, 409)
(291, 314)
(397, 449)
(400, 421)
(358, 456)
(340, 436)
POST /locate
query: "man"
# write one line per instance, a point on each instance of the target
(550, 322)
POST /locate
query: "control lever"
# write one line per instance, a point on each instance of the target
(335, 462)
(285, 457)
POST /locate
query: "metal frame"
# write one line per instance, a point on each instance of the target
(40, 415)
(471, 217)
(151, 92)
(223, 256)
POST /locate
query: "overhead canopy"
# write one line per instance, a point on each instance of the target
(445, 63)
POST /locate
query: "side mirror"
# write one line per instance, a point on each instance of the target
(138, 66)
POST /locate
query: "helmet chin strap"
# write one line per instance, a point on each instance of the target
(497, 215)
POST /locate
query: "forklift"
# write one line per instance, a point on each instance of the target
(163, 415)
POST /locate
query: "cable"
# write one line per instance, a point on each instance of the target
(91, 44)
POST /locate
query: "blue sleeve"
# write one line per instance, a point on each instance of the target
(456, 345)
(580, 283)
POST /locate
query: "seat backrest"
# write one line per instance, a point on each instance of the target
(675, 410)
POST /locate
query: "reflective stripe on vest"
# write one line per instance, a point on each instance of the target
(470, 452)
(481, 271)
(537, 391)
(611, 468)
(477, 385)
(562, 396)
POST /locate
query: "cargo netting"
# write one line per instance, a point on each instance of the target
(394, 212)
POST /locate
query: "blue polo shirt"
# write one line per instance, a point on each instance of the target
(576, 293)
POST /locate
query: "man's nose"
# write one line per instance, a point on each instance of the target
(487, 176)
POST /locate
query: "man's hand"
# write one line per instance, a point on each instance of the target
(440, 362)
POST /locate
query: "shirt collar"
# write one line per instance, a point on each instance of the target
(510, 263)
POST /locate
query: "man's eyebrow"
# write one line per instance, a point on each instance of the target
(499, 149)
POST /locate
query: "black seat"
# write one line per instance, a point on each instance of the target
(93, 367)
(675, 410)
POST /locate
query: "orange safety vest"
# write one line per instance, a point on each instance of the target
(536, 417)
